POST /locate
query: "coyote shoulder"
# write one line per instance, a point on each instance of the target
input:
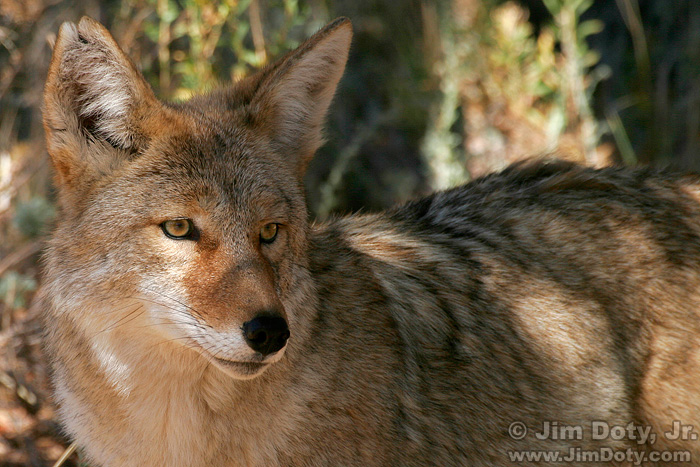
(194, 316)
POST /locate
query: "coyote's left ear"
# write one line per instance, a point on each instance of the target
(293, 95)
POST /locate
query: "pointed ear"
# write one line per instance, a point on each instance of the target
(294, 93)
(95, 103)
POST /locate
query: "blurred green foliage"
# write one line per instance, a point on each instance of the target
(520, 90)
(201, 43)
(31, 217)
(14, 289)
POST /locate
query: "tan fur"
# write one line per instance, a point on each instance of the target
(545, 293)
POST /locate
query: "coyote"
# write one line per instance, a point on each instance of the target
(196, 317)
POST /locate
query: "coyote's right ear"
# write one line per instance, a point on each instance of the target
(96, 104)
(293, 94)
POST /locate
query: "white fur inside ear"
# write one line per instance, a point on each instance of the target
(102, 82)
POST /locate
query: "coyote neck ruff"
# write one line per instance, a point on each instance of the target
(194, 317)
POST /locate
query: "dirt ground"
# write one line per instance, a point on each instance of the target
(29, 433)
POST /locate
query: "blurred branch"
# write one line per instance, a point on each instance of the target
(622, 140)
(633, 20)
(441, 147)
(328, 190)
(16, 257)
(578, 60)
(15, 62)
(133, 27)
(256, 30)
(164, 38)
(576, 79)
(66, 454)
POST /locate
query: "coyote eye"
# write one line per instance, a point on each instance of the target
(268, 232)
(178, 228)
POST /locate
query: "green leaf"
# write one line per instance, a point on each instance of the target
(591, 58)
(581, 6)
(554, 6)
(590, 27)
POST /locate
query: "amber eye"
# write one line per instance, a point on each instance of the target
(178, 228)
(268, 232)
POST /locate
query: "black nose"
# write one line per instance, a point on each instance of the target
(266, 334)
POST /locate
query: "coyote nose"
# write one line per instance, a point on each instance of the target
(266, 334)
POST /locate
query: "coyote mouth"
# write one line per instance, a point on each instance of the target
(240, 369)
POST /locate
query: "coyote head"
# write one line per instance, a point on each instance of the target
(188, 218)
